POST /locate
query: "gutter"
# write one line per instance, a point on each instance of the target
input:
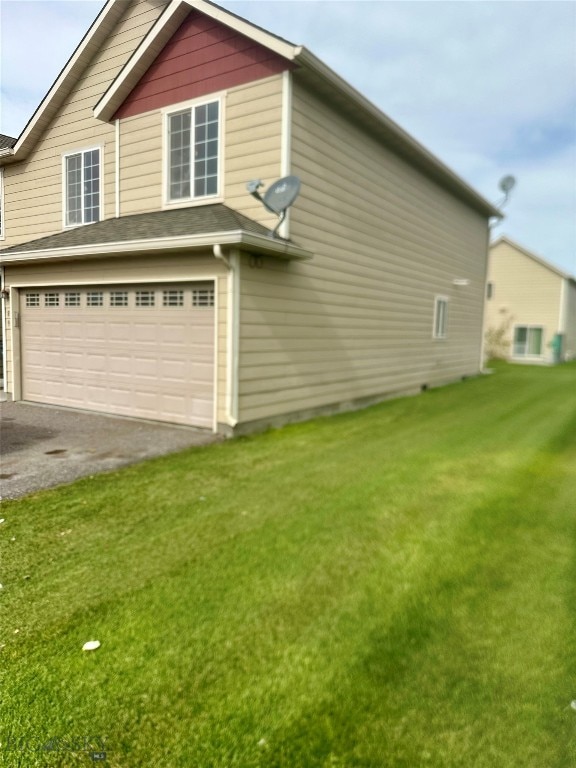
(244, 241)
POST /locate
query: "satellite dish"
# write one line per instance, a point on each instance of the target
(507, 184)
(278, 197)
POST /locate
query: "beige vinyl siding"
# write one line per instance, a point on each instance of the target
(570, 346)
(251, 145)
(34, 204)
(526, 293)
(159, 269)
(357, 321)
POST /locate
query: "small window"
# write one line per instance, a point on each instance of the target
(82, 187)
(173, 298)
(440, 317)
(118, 298)
(51, 299)
(490, 290)
(72, 299)
(32, 299)
(95, 299)
(203, 297)
(145, 298)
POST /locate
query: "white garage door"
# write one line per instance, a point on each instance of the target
(135, 350)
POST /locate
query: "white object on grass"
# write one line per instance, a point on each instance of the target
(91, 645)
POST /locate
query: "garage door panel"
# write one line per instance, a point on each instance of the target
(151, 362)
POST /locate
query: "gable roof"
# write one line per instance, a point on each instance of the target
(504, 240)
(176, 230)
(310, 71)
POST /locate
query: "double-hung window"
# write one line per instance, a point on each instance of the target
(194, 150)
(440, 317)
(82, 187)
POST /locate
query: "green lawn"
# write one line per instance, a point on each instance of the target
(393, 587)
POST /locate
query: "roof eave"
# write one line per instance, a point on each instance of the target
(165, 26)
(239, 240)
(398, 138)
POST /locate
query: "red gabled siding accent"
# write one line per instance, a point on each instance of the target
(202, 57)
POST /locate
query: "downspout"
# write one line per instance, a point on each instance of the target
(286, 146)
(232, 262)
(117, 169)
(4, 345)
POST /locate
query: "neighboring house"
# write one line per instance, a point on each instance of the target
(144, 279)
(530, 307)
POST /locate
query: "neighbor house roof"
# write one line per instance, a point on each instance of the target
(309, 70)
(507, 241)
(176, 230)
(6, 142)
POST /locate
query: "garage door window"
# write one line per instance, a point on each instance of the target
(118, 298)
(203, 297)
(173, 298)
(51, 299)
(145, 298)
(32, 299)
(95, 299)
(72, 300)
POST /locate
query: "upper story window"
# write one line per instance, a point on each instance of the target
(194, 152)
(489, 290)
(440, 317)
(82, 187)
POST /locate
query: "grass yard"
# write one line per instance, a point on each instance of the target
(389, 588)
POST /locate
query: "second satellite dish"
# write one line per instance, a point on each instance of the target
(278, 197)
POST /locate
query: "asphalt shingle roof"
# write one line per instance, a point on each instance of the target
(6, 141)
(202, 220)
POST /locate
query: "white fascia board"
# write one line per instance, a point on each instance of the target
(413, 148)
(241, 240)
(49, 106)
(159, 35)
(282, 47)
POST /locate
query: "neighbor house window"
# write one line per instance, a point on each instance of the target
(193, 152)
(490, 290)
(440, 317)
(528, 341)
(82, 187)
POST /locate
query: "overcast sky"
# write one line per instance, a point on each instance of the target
(487, 86)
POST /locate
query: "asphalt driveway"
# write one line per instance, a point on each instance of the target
(42, 446)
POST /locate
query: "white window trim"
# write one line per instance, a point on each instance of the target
(2, 217)
(166, 113)
(528, 326)
(69, 153)
(444, 334)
